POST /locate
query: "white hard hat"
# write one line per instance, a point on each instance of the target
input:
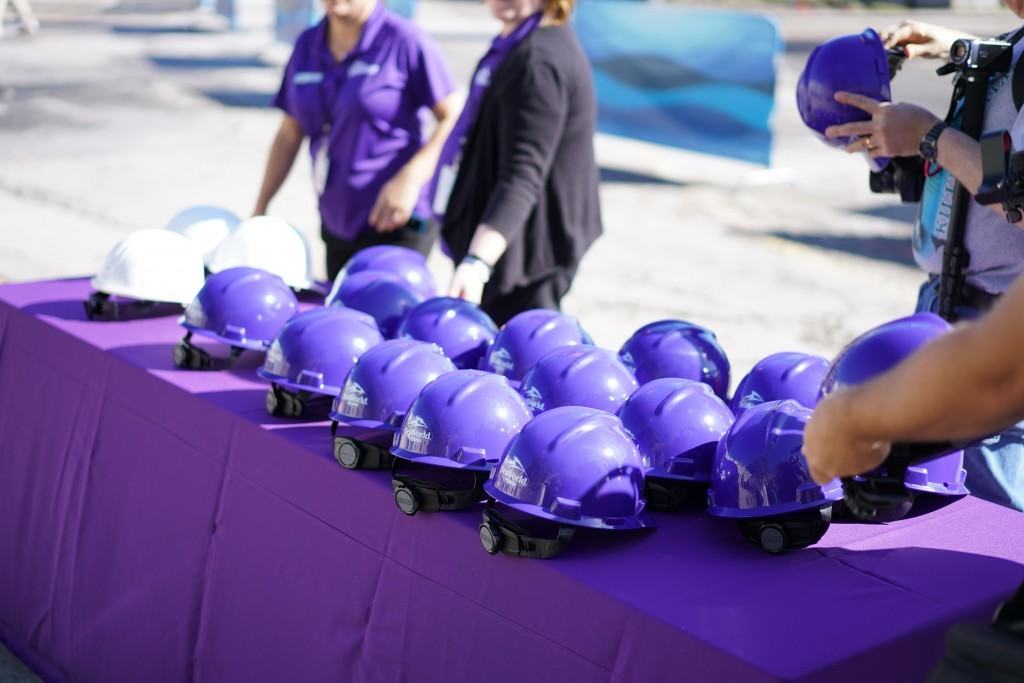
(205, 226)
(152, 265)
(267, 243)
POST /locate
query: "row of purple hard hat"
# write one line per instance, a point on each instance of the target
(579, 466)
(382, 393)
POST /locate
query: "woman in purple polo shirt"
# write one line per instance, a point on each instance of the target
(519, 166)
(357, 85)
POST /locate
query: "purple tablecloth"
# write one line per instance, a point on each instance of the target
(156, 525)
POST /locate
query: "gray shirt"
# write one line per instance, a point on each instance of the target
(995, 245)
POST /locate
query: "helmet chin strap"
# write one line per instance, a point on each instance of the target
(499, 534)
(414, 495)
(188, 356)
(101, 305)
(353, 454)
(282, 402)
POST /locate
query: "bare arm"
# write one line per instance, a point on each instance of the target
(398, 197)
(963, 385)
(897, 130)
(282, 156)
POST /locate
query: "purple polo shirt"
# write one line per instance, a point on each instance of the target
(375, 100)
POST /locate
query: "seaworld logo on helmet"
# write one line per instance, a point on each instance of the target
(416, 435)
(627, 360)
(534, 399)
(512, 477)
(195, 314)
(275, 363)
(751, 399)
(501, 361)
(354, 396)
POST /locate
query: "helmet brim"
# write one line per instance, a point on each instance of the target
(641, 520)
(248, 344)
(437, 461)
(295, 386)
(101, 285)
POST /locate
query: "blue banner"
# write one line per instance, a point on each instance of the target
(702, 80)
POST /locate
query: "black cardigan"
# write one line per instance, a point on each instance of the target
(528, 167)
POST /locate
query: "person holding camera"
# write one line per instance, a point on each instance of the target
(995, 246)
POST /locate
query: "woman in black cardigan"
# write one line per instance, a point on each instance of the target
(520, 167)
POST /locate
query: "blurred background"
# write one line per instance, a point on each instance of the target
(720, 208)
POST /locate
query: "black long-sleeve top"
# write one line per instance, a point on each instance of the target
(528, 167)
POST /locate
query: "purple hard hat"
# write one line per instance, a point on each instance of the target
(463, 420)
(385, 296)
(677, 424)
(576, 466)
(242, 307)
(316, 349)
(791, 375)
(878, 351)
(459, 327)
(854, 63)
(676, 348)
(578, 376)
(408, 264)
(759, 469)
(524, 340)
(386, 380)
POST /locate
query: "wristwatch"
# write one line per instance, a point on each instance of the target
(482, 267)
(929, 147)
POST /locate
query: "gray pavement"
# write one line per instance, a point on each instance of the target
(115, 116)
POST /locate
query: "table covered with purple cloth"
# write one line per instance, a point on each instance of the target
(157, 525)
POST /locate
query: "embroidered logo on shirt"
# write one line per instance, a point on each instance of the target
(307, 77)
(482, 78)
(362, 69)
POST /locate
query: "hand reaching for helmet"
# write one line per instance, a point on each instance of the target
(834, 447)
(894, 130)
(395, 203)
(468, 282)
(921, 40)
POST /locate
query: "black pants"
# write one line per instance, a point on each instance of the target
(416, 234)
(546, 293)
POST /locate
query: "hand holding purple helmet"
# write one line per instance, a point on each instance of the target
(888, 494)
